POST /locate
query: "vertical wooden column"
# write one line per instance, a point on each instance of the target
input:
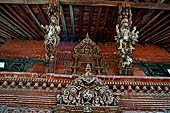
(51, 37)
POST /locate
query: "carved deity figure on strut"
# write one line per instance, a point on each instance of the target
(52, 31)
(125, 39)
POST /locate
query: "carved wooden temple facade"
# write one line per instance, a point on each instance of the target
(94, 56)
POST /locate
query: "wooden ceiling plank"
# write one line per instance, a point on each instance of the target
(97, 22)
(19, 25)
(154, 26)
(158, 34)
(38, 33)
(7, 34)
(104, 22)
(10, 32)
(21, 19)
(111, 22)
(11, 27)
(165, 41)
(162, 38)
(137, 17)
(90, 20)
(72, 21)
(94, 3)
(63, 24)
(81, 22)
(153, 19)
(42, 14)
(33, 15)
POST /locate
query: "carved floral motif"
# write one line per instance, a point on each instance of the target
(87, 90)
(87, 48)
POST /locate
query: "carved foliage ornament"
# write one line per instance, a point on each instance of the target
(125, 39)
(87, 48)
(87, 90)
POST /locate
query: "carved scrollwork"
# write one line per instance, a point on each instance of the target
(87, 48)
(87, 90)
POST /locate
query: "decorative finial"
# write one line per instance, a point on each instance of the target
(87, 35)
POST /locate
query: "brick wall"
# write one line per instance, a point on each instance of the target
(35, 49)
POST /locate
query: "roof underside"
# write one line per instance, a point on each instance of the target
(21, 20)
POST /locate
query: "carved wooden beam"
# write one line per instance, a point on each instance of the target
(72, 21)
(20, 25)
(94, 3)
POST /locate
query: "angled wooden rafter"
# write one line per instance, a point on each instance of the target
(158, 35)
(36, 30)
(63, 24)
(97, 22)
(111, 24)
(164, 37)
(153, 19)
(21, 19)
(104, 22)
(42, 14)
(156, 29)
(81, 22)
(137, 17)
(90, 19)
(72, 21)
(15, 22)
(7, 34)
(6, 23)
(10, 32)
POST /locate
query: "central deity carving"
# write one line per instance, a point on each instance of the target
(87, 90)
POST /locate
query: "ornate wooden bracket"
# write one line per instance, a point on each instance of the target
(125, 40)
(51, 37)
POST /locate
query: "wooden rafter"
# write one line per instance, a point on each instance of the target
(104, 22)
(72, 21)
(94, 3)
(21, 19)
(158, 35)
(81, 21)
(137, 17)
(8, 25)
(90, 19)
(165, 37)
(32, 14)
(153, 19)
(156, 24)
(7, 34)
(15, 22)
(97, 22)
(10, 32)
(111, 23)
(36, 30)
(63, 24)
(42, 14)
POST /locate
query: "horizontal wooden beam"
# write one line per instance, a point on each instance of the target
(94, 3)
